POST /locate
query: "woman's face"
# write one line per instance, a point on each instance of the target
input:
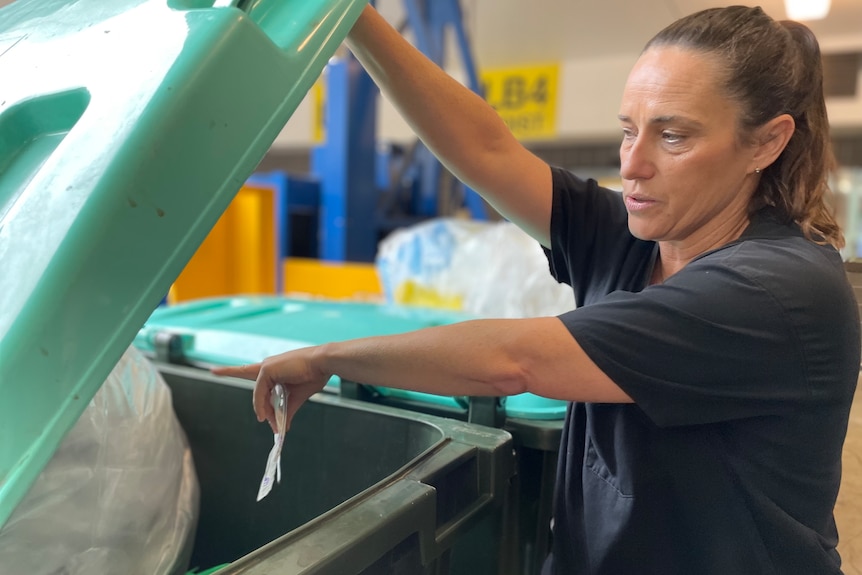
(686, 176)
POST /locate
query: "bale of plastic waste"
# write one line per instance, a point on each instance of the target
(487, 269)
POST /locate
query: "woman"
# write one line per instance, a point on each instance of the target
(714, 354)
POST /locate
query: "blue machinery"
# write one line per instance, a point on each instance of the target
(359, 192)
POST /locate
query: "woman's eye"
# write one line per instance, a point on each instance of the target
(672, 138)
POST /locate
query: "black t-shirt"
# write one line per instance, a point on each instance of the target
(742, 367)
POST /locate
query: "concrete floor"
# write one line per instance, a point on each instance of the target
(848, 509)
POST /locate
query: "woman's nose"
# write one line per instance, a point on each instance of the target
(636, 160)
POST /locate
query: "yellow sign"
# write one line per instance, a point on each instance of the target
(525, 97)
(318, 112)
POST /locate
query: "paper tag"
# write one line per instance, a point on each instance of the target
(272, 474)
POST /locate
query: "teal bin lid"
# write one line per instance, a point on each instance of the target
(126, 128)
(232, 331)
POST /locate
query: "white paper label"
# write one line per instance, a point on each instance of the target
(272, 474)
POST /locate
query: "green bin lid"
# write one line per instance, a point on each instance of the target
(126, 128)
(247, 329)
(238, 330)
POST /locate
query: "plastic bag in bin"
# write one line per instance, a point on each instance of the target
(120, 495)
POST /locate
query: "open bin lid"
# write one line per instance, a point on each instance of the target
(126, 128)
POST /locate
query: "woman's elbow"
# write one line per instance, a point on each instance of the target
(512, 379)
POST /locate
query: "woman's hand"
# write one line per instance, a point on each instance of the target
(295, 370)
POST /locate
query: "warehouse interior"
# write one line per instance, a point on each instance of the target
(192, 185)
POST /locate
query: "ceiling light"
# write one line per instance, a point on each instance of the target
(807, 9)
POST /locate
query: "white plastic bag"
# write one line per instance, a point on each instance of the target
(484, 269)
(120, 494)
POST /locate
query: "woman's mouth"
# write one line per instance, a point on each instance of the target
(636, 203)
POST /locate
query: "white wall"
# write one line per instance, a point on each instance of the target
(596, 45)
(846, 113)
(588, 100)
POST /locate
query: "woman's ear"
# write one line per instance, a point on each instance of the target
(770, 140)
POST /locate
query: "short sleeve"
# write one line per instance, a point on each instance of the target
(591, 246)
(711, 344)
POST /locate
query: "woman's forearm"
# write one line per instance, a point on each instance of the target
(451, 120)
(460, 359)
(457, 125)
(490, 357)
(496, 357)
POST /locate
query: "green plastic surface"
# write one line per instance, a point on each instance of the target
(232, 331)
(126, 128)
(366, 489)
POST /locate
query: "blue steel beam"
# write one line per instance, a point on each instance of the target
(429, 20)
(345, 165)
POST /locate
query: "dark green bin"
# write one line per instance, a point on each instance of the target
(365, 489)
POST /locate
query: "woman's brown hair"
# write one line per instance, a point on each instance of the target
(773, 68)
